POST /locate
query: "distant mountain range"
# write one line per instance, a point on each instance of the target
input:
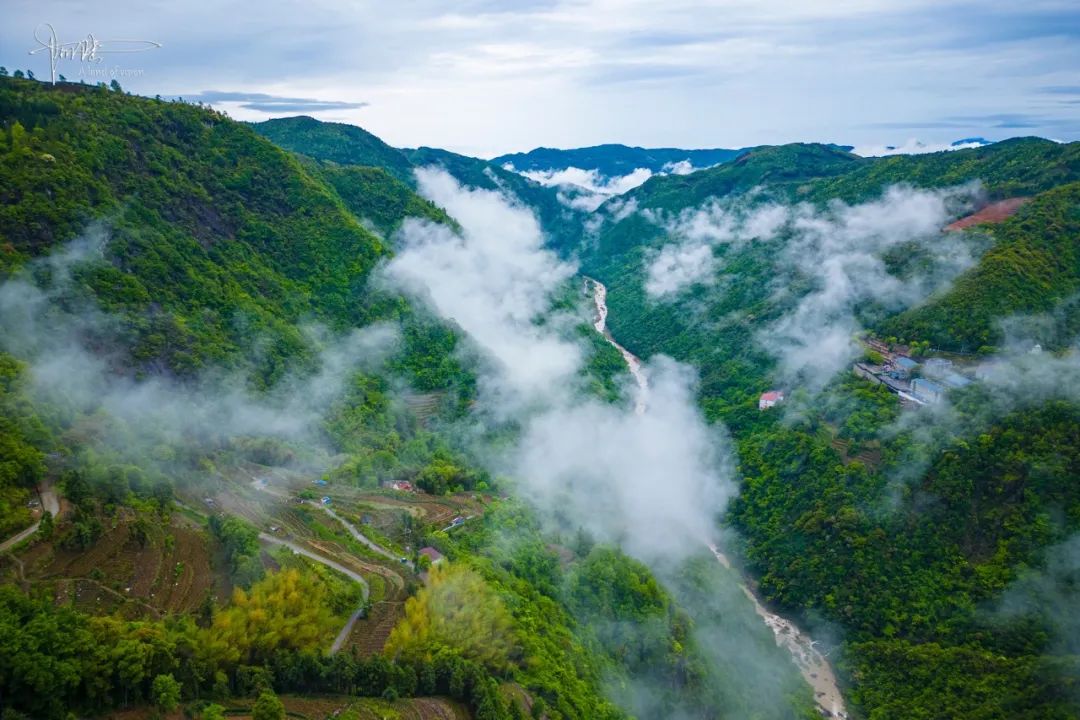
(614, 160)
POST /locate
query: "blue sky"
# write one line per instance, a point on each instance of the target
(486, 77)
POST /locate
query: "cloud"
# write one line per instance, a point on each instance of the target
(264, 102)
(655, 483)
(682, 167)
(1019, 378)
(494, 281)
(689, 259)
(591, 180)
(776, 71)
(915, 147)
(585, 190)
(679, 266)
(840, 250)
(660, 476)
(1061, 89)
(1051, 594)
(588, 189)
(44, 323)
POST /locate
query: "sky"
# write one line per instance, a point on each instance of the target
(485, 77)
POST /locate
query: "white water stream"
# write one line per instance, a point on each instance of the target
(813, 665)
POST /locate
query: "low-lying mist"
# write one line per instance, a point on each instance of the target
(654, 483)
(828, 264)
(64, 337)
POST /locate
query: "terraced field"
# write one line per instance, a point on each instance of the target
(369, 635)
(172, 572)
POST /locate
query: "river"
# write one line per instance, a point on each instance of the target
(813, 665)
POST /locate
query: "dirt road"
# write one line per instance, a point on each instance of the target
(342, 636)
(49, 503)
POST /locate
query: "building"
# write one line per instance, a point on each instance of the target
(936, 367)
(927, 391)
(868, 372)
(955, 380)
(903, 367)
(770, 399)
(432, 554)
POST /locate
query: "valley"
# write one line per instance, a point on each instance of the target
(813, 665)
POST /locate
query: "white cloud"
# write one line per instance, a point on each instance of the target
(494, 280)
(689, 259)
(841, 251)
(683, 167)
(46, 327)
(661, 476)
(678, 266)
(591, 180)
(687, 73)
(913, 147)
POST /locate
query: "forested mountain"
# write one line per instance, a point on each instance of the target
(910, 529)
(335, 144)
(197, 361)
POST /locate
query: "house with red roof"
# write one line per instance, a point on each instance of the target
(770, 399)
(432, 554)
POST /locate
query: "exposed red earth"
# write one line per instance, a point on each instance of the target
(992, 213)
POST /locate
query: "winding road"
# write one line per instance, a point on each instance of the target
(49, 503)
(342, 636)
(813, 665)
(360, 537)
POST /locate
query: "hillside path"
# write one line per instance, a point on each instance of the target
(49, 503)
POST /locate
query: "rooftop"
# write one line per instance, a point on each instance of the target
(431, 553)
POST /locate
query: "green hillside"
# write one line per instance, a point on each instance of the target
(204, 284)
(374, 195)
(1034, 267)
(336, 142)
(218, 249)
(904, 536)
(346, 146)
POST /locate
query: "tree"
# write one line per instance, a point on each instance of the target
(166, 692)
(139, 531)
(3, 71)
(268, 707)
(114, 86)
(18, 74)
(459, 611)
(45, 529)
(213, 711)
